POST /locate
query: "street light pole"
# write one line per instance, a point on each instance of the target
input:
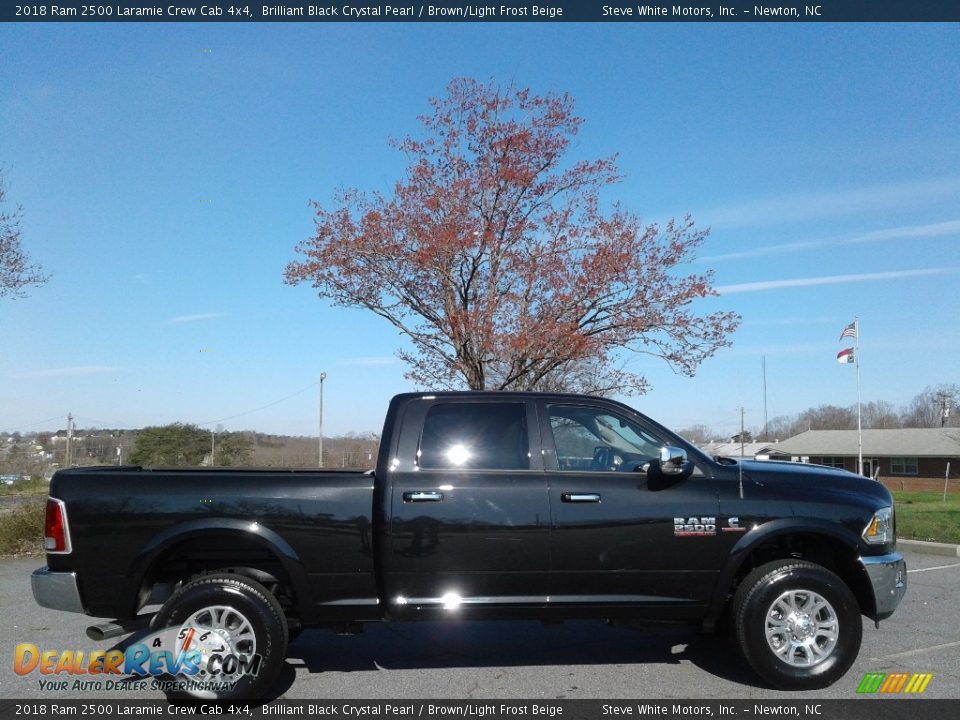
(323, 376)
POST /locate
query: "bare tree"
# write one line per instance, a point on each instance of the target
(497, 258)
(828, 417)
(783, 427)
(16, 270)
(879, 415)
(698, 434)
(925, 410)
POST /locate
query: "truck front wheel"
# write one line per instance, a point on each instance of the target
(236, 633)
(797, 624)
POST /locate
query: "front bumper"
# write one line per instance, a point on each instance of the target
(888, 577)
(56, 590)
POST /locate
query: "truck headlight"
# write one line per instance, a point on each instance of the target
(879, 530)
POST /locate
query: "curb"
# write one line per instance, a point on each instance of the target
(929, 548)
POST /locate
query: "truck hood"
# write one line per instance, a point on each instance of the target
(800, 477)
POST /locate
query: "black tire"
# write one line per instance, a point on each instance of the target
(797, 624)
(251, 622)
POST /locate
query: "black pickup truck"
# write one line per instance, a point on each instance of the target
(483, 506)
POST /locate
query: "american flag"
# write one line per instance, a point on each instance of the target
(849, 331)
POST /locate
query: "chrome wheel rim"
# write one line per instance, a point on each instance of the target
(217, 632)
(802, 628)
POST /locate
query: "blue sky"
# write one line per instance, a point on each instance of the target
(165, 172)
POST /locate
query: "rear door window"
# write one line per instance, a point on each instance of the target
(478, 436)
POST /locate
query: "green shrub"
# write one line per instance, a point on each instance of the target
(21, 528)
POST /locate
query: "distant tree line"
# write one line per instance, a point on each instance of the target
(182, 444)
(924, 411)
(353, 450)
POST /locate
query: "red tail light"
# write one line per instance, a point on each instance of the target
(56, 534)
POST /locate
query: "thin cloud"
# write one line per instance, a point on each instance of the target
(793, 321)
(370, 361)
(910, 232)
(807, 206)
(194, 318)
(794, 349)
(829, 347)
(69, 372)
(828, 280)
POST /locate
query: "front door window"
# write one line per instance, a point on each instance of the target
(592, 439)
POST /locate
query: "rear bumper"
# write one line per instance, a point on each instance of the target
(56, 590)
(888, 576)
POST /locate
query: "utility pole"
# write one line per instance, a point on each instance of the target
(68, 460)
(323, 376)
(742, 431)
(213, 447)
(943, 405)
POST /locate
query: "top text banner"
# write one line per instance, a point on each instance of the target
(612, 11)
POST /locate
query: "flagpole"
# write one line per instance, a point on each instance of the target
(856, 360)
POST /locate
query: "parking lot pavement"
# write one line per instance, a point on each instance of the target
(525, 660)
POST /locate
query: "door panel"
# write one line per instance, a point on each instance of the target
(617, 534)
(470, 518)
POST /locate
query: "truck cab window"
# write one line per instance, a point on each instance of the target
(477, 436)
(592, 439)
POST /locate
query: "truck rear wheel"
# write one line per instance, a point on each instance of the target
(797, 624)
(239, 630)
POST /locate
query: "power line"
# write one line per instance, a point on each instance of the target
(39, 422)
(208, 422)
(262, 407)
(102, 424)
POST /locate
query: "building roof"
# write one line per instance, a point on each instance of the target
(909, 442)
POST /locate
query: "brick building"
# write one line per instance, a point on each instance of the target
(905, 459)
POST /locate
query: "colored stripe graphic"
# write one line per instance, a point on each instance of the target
(871, 682)
(918, 683)
(894, 683)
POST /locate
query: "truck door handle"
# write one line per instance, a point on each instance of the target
(580, 497)
(423, 496)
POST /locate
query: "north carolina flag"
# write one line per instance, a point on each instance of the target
(849, 331)
(845, 356)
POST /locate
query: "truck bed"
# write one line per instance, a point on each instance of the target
(316, 525)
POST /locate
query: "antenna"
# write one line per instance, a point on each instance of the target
(740, 464)
(323, 376)
(765, 422)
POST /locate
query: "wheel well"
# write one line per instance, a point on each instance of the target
(217, 553)
(826, 551)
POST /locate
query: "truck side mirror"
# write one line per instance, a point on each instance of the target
(672, 460)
